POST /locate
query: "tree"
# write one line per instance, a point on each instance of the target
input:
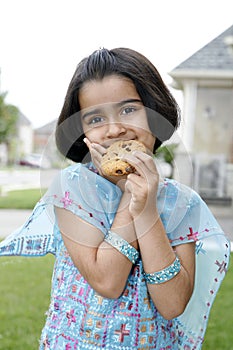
(8, 119)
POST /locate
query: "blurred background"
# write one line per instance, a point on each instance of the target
(190, 43)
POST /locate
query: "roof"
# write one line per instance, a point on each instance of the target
(217, 55)
(46, 129)
(23, 120)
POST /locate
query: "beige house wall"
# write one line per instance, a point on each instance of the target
(213, 130)
(25, 139)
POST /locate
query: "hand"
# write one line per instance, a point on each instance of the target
(143, 184)
(97, 151)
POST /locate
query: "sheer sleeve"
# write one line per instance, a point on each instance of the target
(77, 189)
(187, 218)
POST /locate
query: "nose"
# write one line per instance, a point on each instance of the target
(115, 130)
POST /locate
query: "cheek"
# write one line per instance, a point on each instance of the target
(144, 134)
(94, 134)
(142, 123)
(149, 141)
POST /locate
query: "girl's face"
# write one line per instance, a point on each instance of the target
(112, 110)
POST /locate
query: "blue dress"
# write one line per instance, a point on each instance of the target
(79, 318)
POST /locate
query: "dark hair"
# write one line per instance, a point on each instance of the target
(163, 112)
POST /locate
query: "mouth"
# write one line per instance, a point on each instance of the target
(109, 143)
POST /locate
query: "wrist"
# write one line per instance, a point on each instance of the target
(146, 214)
(149, 222)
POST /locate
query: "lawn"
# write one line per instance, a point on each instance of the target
(24, 298)
(219, 334)
(21, 199)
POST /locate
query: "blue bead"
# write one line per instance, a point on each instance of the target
(164, 275)
(122, 246)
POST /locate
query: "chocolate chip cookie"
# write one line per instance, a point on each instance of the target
(111, 163)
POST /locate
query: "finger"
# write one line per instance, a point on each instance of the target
(147, 160)
(138, 193)
(87, 142)
(98, 148)
(143, 163)
(137, 183)
(128, 186)
(95, 155)
(95, 146)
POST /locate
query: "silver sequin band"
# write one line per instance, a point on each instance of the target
(165, 274)
(122, 246)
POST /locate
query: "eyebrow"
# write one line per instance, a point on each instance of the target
(93, 111)
(119, 104)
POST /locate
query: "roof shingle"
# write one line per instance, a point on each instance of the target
(216, 55)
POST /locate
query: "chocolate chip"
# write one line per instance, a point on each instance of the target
(130, 169)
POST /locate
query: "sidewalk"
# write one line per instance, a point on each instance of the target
(11, 219)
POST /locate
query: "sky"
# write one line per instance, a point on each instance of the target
(42, 41)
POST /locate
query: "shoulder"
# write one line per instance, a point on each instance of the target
(176, 203)
(74, 172)
(75, 169)
(173, 190)
(65, 184)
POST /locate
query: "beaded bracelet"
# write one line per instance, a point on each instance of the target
(122, 246)
(164, 275)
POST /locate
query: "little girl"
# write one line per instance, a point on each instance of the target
(139, 259)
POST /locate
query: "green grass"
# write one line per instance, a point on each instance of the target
(21, 199)
(219, 334)
(24, 298)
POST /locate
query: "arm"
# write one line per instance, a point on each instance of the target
(104, 268)
(171, 297)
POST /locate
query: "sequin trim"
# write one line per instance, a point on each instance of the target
(164, 275)
(122, 246)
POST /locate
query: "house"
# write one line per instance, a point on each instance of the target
(24, 135)
(206, 80)
(44, 144)
(43, 135)
(21, 143)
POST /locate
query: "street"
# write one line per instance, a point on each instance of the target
(26, 178)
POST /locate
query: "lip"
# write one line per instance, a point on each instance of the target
(109, 143)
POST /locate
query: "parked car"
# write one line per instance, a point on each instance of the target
(35, 160)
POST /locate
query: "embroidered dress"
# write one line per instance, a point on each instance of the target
(79, 318)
